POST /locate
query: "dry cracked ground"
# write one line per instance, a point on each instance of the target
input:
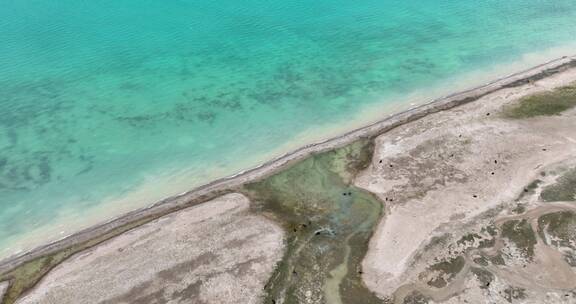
(479, 207)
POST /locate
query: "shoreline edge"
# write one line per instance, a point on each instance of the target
(227, 184)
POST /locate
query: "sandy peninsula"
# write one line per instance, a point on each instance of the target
(210, 253)
(468, 191)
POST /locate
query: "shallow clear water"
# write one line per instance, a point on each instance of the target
(98, 98)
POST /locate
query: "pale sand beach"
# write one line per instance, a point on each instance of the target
(410, 141)
(209, 253)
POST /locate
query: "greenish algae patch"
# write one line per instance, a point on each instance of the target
(511, 294)
(498, 260)
(561, 227)
(530, 189)
(544, 104)
(416, 298)
(468, 239)
(26, 276)
(446, 271)
(563, 190)
(481, 260)
(489, 242)
(442, 240)
(328, 222)
(519, 209)
(477, 241)
(521, 234)
(483, 276)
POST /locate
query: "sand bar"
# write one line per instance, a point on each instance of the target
(216, 252)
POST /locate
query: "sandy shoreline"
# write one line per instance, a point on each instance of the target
(202, 254)
(224, 185)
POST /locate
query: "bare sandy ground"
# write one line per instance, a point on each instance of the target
(216, 252)
(450, 167)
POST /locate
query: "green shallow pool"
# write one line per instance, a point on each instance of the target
(328, 223)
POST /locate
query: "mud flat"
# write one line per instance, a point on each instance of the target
(464, 191)
(435, 169)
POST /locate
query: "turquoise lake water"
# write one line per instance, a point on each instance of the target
(101, 99)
